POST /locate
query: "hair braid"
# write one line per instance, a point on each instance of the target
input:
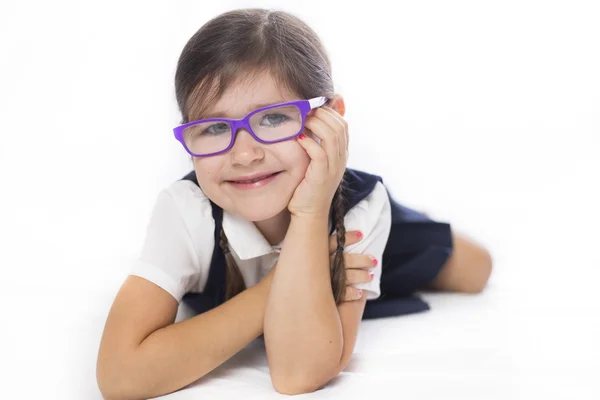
(338, 267)
(233, 276)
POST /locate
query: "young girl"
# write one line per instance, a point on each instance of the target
(270, 234)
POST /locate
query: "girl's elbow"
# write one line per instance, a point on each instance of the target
(303, 382)
(117, 380)
(291, 386)
(111, 391)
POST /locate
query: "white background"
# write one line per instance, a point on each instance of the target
(484, 114)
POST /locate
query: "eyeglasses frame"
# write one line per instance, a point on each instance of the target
(305, 106)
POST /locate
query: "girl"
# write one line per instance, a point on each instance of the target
(270, 234)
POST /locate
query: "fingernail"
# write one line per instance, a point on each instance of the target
(371, 275)
(359, 293)
(301, 136)
(359, 234)
(374, 261)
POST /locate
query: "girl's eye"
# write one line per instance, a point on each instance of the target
(216, 129)
(275, 119)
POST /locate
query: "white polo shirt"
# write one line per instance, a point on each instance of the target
(179, 241)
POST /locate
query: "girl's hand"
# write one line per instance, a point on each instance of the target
(357, 266)
(315, 192)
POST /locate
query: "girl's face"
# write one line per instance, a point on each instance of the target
(248, 157)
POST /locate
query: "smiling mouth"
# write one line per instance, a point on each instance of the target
(257, 179)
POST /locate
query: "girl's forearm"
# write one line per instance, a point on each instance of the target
(180, 353)
(303, 331)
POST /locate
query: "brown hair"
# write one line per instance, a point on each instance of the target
(240, 44)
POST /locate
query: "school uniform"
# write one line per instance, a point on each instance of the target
(181, 252)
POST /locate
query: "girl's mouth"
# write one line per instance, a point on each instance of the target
(254, 183)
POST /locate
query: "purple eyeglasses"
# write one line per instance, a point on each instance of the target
(270, 124)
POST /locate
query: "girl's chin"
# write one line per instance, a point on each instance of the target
(256, 217)
(260, 212)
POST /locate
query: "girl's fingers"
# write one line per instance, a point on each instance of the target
(329, 137)
(338, 123)
(353, 260)
(351, 238)
(353, 293)
(333, 119)
(316, 154)
(330, 117)
(356, 276)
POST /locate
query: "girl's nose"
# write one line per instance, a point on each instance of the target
(245, 148)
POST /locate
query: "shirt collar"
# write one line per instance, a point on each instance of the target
(245, 239)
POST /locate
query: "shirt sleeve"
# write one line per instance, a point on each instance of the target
(373, 217)
(168, 257)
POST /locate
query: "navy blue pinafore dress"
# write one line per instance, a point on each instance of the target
(416, 250)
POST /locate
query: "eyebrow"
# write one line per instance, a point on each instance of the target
(223, 114)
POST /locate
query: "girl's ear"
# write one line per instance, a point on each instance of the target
(337, 103)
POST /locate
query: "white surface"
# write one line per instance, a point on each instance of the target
(492, 121)
(510, 342)
(456, 349)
